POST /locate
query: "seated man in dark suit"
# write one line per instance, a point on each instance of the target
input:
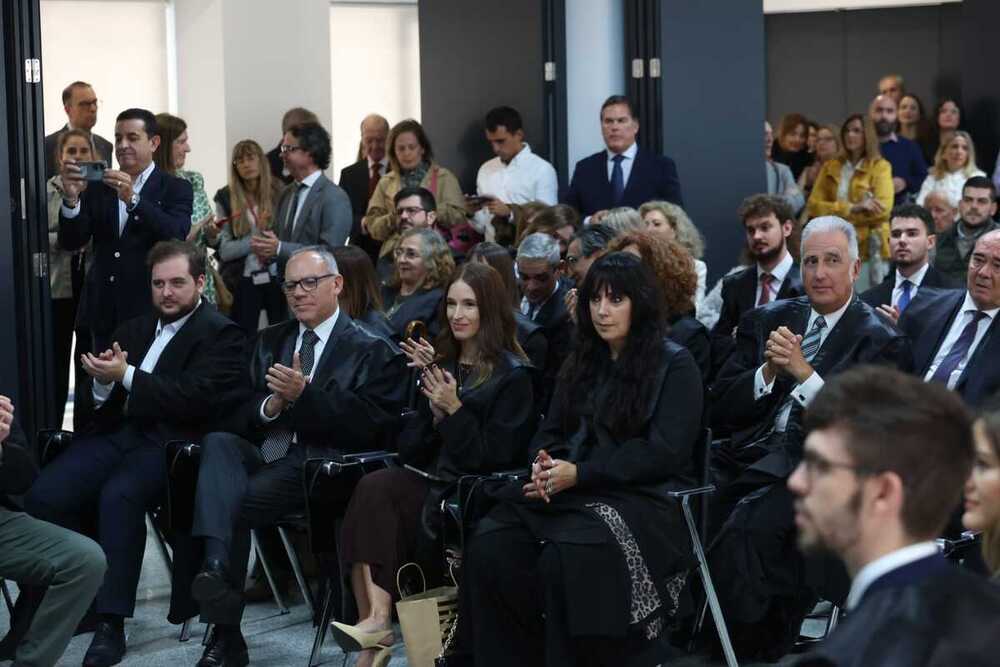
(911, 238)
(879, 508)
(543, 301)
(64, 567)
(311, 209)
(322, 385)
(768, 221)
(955, 333)
(784, 353)
(623, 174)
(125, 214)
(360, 179)
(169, 375)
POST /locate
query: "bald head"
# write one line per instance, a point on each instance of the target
(884, 110)
(984, 271)
(374, 131)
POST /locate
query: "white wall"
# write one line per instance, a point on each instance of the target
(595, 56)
(118, 47)
(780, 6)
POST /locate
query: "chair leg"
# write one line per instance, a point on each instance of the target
(267, 573)
(706, 580)
(324, 621)
(297, 570)
(160, 543)
(7, 598)
(208, 633)
(831, 622)
(185, 631)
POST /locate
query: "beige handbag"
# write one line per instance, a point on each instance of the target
(426, 620)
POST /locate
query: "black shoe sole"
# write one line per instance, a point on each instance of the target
(241, 659)
(102, 663)
(209, 587)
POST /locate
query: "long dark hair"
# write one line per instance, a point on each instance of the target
(497, 328)
(361, 292)
(590, 364)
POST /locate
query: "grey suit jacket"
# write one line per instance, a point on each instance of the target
(325, 219)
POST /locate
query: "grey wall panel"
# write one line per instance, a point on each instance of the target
(805, 66)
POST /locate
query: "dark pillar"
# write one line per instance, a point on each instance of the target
(980, 95)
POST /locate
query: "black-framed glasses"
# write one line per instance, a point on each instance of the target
(409, 210)
(409, 253)
(288, 148)
(308, 284)
(820, 466)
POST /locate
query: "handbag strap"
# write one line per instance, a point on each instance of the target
(400, 571)
(434, 181)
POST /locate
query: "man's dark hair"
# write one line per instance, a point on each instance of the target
(594, 238)
(763, 205)
(507, 117)
(426, 197)
(315, 141)
(895, 422)
(556, 217)
(165, 250)
(67, 92)
(914, 211)
(981, 182)
(297, 116)
(620, 99)
(147, 118)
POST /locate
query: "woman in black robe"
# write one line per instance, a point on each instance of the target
(586, 563)
(423, 266)
(360, 297)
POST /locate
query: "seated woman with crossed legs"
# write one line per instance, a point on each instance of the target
(593, 541)
(477, 416)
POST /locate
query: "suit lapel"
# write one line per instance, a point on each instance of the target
(177, 349)
(976, 360)
(927, 347)
(315, 194)
(151, 190)
(634, 175)
(839, 339)
(791, 286)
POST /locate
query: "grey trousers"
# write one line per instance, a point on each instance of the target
(70, 565)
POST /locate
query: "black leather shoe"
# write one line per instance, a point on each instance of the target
(212, 582)
(226, 648)
(107, 647)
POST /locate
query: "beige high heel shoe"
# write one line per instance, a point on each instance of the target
(383, 657)
(352, 640)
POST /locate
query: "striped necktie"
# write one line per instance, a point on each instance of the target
(278, 440)
(811, 343)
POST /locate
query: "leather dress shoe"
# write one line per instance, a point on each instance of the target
(212, 582)
(107, 647)
(226, 648)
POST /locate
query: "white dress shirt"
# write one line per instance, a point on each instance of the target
(778, 273)
(880, 567)
(629, 155)
(322, 331)
(137, 183)
(164, 334)
(804, 393)
(915, 280)
(527, 177)
(526, 305)
(963, 318)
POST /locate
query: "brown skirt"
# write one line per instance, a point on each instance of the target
(382, 523)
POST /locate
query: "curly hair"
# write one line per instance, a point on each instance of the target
(687, 234)
(436, 255)
(670, 263)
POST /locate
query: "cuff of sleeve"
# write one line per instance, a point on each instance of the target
(71, 213)
(761, 388)
(584, 475)
(263, 414)
(804, 393)
(278, 251)
(127, 380)
(101, 391)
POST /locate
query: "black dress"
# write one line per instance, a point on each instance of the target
(606, 561)
(489, 433)
(421, 305)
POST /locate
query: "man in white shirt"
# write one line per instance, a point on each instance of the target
(875, 488)
(167, 376)
(515, 176)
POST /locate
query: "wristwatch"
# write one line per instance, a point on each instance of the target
(132, 202)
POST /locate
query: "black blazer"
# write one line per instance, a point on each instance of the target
(531, 338)
(739, 296)
(861, 336)
(929, 613)
(117, 285)
(692, 334)
(423, 305)
(558, 327)
(352, 401)
(105, 151)
(881, 294)
(653, 177)
(489, 433)
(354, 181)
(927, 321)
(197, 380)
(17, 468)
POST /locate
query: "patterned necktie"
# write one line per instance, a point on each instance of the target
(810, 344)
(617, 180)
(373, 179)
(904, 298)
(959, 350)
(765, 289)
(278, 439)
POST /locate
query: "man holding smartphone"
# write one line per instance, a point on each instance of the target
(125, 214)
(80, 103)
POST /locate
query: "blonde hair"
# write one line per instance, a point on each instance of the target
(871, 151)
(240, 195)
(685, 232)
(940, 169)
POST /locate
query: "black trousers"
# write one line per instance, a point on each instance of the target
(249, 299)
(124, 475)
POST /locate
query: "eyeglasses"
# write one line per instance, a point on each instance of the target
(409, 253)
(87, 104)
(818, 466)
(409, 210)
(288, 148)
(308, 284)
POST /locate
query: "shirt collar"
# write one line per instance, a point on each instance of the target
(176, 325)
(311, 179)
(969, 304)
(832, 318)
(917, 278)
(324, 328)
(525, 150)
(143, 177)
(880, 567)
(780, 271)
(628, 153)
(383, 163)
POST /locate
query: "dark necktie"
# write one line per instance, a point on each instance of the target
(617, 180)
(765, 289)
(810, 346)
(959, 350)
(373, 180)
(904, 298)
(293, 205)
(278, 439)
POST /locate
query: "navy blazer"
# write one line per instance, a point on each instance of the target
(117, 285)
(881, 294)
(927, 322)
(653, 177)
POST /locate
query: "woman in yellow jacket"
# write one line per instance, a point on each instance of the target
(857, 186)
(411, 165)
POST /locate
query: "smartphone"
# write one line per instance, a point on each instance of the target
(479, 200)
(92, 171)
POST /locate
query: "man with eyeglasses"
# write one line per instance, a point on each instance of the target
(874, 489)
(415, 207)
(784, 352)
(322, 386)
(80, 103)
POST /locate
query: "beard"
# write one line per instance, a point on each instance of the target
(183, 309)
(768, 255)
(841, 534)
(884, 128)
